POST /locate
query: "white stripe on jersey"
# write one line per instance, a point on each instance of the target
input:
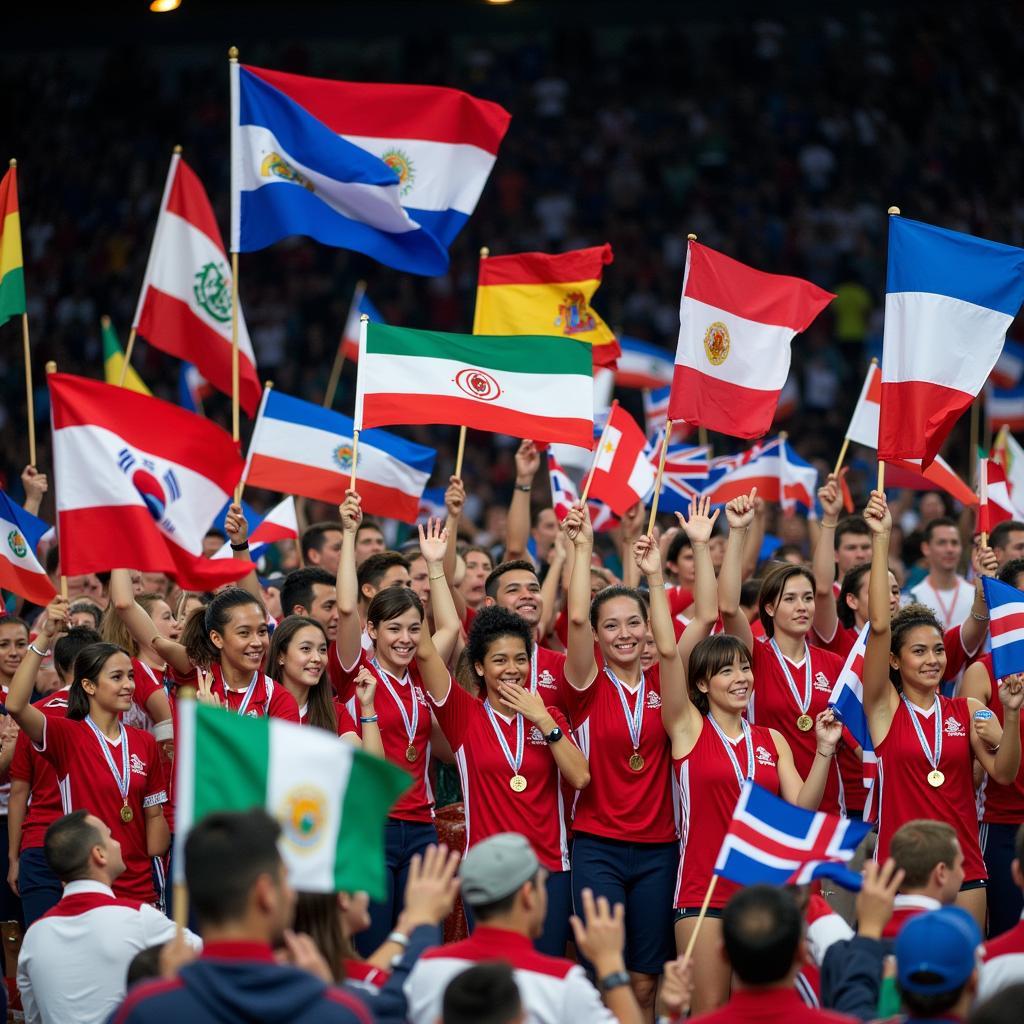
(683, 821)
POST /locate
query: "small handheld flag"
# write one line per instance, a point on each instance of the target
(20, 571)
(1006, 606)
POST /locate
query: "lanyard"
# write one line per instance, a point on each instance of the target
(804, 703)
(947, 613)
(249, 691)
(634, 718)
(122, 778)
(533, 670)
(934, 757)
(515, 763)
(411, 724)
(740, 777)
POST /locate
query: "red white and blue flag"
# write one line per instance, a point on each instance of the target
(564, 496)
(1005, 406)
(771, 842)
(361, 306)
(643, 365)
(20, 571)
(1009, 369)
(280, 523)
(687, 469)
(656, 414)
(778, 473)
(1006, 606)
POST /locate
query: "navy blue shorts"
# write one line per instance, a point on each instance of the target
(39, 887)
(1005, 900)
(642, 876)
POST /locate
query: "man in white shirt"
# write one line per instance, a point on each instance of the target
(943, 590)
(74, 960)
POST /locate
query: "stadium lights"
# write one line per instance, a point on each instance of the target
(498, 3)
(163, 6)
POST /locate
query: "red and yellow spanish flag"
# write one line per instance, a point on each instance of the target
(12, 274)
(535, 293)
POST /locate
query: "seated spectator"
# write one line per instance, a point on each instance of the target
(484, 994)
(1004, 955)
(74, 959)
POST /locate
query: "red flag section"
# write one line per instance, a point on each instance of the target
(622, 473)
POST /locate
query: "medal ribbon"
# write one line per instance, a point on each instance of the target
(727, 743)
(249, 691)
(123, 779)
(936, 757)
(634, 718)
(805, 703)
(513, 762)
(533, 670)
(412, 723)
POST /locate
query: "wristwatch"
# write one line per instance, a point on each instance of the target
(554, 736)
(614, 980)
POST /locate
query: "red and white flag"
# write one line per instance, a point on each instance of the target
(735, 329)
(280, 523)
(138, 483)
(778, 473)
(623, 475)
(995, 505)
(185, 304)
(564, 496)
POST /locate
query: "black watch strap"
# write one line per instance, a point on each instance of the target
(554, 736)
(614, 980)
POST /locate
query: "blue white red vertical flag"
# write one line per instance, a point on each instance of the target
(950, 299)
(193, 387)
(392, 171)
(1006, 606)
(280, 523)
(772, 842)
(361, 306)
(848, 700)
(20, 571)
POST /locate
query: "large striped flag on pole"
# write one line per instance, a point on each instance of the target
(20, 571)
(113, 361)
(949, 300)
(536, 387)
(12, 270)
(1006, 606)
(330, 799)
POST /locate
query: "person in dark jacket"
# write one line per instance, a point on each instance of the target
(240, 892)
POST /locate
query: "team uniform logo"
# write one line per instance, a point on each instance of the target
(764, 756)
(477, 384)
(275, 166)
(138, 766)
(17, 543)
(342, 456)
(536, 736)
(821, 683)
(212, 290)
(303, 816)
(401, 163)
(157, 494)
(547, 680)
(653, 699)
(574, 315)
(716, 343)
(953, 727)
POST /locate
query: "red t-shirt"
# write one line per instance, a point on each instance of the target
(268, 698)
(547, 674)
(998, 804)
(147, 682)
(708, 790)
(903, 790)
(346, 723)
(418, 803)
(491, 805)
(620, 803)
(768, 1006)
(773, 704)
(86, 782)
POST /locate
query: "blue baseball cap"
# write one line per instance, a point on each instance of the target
(937, 951)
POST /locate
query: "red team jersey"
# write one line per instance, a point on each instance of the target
(620, 803)
(86, 782)
(268, 699)
(346, 723)
(998, 804)
(773, 705)
(491, 806)
(708, 791)
(418, 803)
(903, 790)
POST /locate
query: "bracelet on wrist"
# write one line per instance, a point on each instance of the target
(827, 756)
(398, 939)
(367, 719)
(524, 487)
(441, 577)
(42, 654)
(244, 546)
(829, 526)
(980, 618)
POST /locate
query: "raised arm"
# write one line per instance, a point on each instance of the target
(433, 670)
(454, 502)
(552, 585)
(36, 485)
(141, 626)
(350, 628)
(580, 664)
(823, 560)
(19, 697)
(879, 695)
(975, 626)
(517, 532)
(433, 543)
(740, 514)
(1003, 762)
(236, 526)
(755, 540)
(699, 528)
(630, 531)
(807, 793)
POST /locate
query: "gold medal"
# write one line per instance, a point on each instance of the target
(127, 814)
(411, 753)
(805, 723)
(517, 783)
(636, 762)
(936, 778)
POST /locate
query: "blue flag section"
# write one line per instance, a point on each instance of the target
(1006, 606)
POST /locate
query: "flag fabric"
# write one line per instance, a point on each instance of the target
(656, 414)
(113, 361)
(789, 400)
(432, 504)
(623, 474)
(138, 483)
(185, 305)
(778, 473)
(280, 523)
(643, 365)
(12, 265)
(772, 842)
(361, 306)
(995, 505)
(1009, 369)
(392, 171)
(301, 448)
(1009, 454)
(735, 329)
(847, 699)
(536, 387)
(949, 300)
(687, 471)
(564, 496)
(20, 571)
(330, 799)
(536, 293)
(1005, 406)
(193, 388)
(1006, 606)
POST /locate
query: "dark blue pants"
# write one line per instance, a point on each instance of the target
(1005, 900)
(39, 887)
(402, 839)
(642, 877)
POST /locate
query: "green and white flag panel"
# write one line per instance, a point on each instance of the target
(331, 799)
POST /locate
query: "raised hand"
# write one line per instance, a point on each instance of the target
(876, 513)
(527, 462)
(529, 705)
(577, 526)
(302, 952)
(601, 935)
(984, 560)
(56, 621)
(236, 526)
(204, 687)
(431, 888)
(988, 730)
(35, 484)
(646, 555)
(702, 520)
(366, 687)
(877, 896)
(1011, 693)
(739, 513)
(433, 541)
(350, 511)
(454, 497)
(831, 497)
(676, 989)
(828, 731)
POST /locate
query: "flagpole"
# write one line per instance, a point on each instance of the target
(657, 479)
(700, 917)
(51, 367)
(339, 356)
(127, 354)
(597, 452)
(235, 432)
(484, 253)
(364, 322)
(983, 496)
(975, 434)
(29, 396)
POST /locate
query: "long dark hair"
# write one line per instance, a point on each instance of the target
(851, 585)
(214, 617)
(88, 665)
(320, 709)
(707, 659)
(318, 915)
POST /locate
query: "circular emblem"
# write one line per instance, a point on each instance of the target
(477, 384)
(213, 292)
(303, 816)
(152, 493)
(716, 343)
(342, 456)
(16, 542)
(403, 166)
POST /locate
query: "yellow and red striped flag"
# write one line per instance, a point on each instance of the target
(12, 273)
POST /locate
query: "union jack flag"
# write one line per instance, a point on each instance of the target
(656, 414)
(686, 471)
(564, 495)
(772, 842)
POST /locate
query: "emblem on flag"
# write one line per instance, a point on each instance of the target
(213, 293)
(303, 817)
(150, 489)
(275, 166)
(574, 315)
(343, 457)
(716, 343)
(402, 165)
(477, 384)
(16, 542)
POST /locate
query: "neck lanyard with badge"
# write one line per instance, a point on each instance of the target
(410, 723)
(935, 777)
(518, 781)
(804, 721)
(122, 778)
(634, 718)
(727, 743)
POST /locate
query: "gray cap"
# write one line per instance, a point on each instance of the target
(496, 867)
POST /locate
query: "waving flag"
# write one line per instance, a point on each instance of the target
(735, 329)
(772, 842)
(12, 269)
(185, 303)
(1005, 406)
(1006, 606)
(193, 387)
(280, 523)
(20, 571)
(995, 505)
(623, 475)
(1009, 454)
(643, 365)
(779, 474)
(564, 495)
(361, 306)
(1009, 369)
(950, 298)
(301, 448)
(848, 700)
(138, 483)
(113, 360)
(687, 471)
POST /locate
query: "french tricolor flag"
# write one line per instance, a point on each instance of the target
(20, 571)
(950, 298)
(1006, 606)
(301, 448)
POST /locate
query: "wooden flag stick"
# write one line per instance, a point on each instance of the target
(700, 917)
(881, 476)
(597, 453)
(461, 451)
(355, 459)
(339, 356)
(51, 367)
(180, 904)
(983, 496)
(975, 436)
(657, 478)
(702, 439)
(29, 396)
(842, 456)
(126, 362)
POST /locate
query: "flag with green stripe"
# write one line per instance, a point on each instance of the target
(330, 799)
(12, 273)
(537, 387)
